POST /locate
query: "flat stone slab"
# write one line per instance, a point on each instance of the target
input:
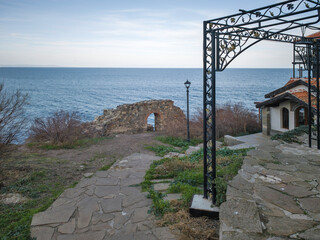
(284, 226)
(68, 227)
(59, 214)
(107, 191)
(161, 187)
(111, 181)
(310, 204)
(192, 149)
(242, 215)
(85, 209)
(140, 214)
(231, 141)
(42, 233)
(88, 175)
(72, 192)
(96, 235)
(311, 234)
(295, 191)
(172, 196)
(111, 205)
(162, 180)
(279, 199)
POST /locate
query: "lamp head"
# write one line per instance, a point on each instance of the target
(187, 84)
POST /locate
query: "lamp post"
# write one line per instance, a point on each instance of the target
(187, 84)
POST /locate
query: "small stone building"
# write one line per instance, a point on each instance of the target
(287, 107)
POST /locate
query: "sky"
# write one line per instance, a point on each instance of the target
(126, 33)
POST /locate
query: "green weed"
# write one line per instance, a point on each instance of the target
(159, 206)
(292, 135)
(178, 142)
(186, 190)
(106, 167)
(161, 150)
(78, 143)
(190, 177)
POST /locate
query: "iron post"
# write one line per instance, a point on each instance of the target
(187, 84)
(309, 95)
(318, 94)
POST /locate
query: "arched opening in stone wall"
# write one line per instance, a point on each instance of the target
(153, 122)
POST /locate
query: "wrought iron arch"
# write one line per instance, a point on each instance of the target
(226, 38)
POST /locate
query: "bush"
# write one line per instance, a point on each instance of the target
(60, 128)
(233, 120)
(292, 135)
(236, 120)
(12, 115)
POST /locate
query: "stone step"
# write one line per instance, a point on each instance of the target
(172, 197)
(162, 180)
(161, 187)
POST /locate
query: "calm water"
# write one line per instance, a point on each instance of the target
(90, 90)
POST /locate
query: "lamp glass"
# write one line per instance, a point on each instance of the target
(187, 84)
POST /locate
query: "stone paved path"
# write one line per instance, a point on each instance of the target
(275, 196)
(108, 205)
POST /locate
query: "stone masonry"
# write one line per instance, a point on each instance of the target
(275, 196)
(132, 118)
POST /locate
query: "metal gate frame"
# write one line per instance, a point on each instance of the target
(227, 37)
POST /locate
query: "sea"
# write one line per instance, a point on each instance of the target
(88, 91)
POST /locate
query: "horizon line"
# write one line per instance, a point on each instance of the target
(143, 67)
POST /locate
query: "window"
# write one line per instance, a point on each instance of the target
(285, 118)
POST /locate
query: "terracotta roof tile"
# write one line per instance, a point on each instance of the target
(313, 81)
(303, 96)
(314, 35)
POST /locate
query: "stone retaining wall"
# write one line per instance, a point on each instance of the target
(132, 118)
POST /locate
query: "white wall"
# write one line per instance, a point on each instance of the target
(276, 118)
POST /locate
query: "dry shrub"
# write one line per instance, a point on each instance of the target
(196, 125)
(176, 128)
(189, 227)
(236, 119)
(12, 115)
(231, 119)
(62, 127)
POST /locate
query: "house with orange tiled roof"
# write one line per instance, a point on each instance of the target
(287, 107)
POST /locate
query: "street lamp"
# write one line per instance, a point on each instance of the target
(187, 84)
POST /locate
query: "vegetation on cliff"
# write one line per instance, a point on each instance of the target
(12, 115)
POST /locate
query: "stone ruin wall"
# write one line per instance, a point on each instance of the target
(132, 118)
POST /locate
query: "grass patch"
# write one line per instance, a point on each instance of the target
(292, 135)
(187, 173)
(179, 142)
(85, 142)
(161, 150)
(106, 167)
(186, 190)
(15, 219)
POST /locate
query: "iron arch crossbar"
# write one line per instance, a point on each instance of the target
(227, 37)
